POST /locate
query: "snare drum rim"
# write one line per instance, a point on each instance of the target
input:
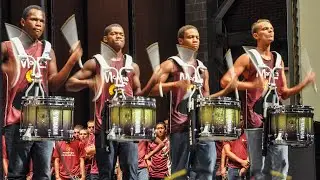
(134, 101)
(48, 101)
(220, 101)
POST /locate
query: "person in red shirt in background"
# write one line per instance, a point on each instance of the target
(69, 159)
(84, 137)
(238, 159)
(90, 150)
(144, 155)
(158, 154)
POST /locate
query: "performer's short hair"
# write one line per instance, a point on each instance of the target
(162, 123)
(254, 27)
(108, 29)
(183, 29)
(26, 11)
(90, 121)
(78, 127)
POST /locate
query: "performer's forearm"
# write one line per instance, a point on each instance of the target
(164, 87)
(75, 85)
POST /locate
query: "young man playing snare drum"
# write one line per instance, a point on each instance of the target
(90, 77)
(205, 152)
(16, 80)
(256, 85)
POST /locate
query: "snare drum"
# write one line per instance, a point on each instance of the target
(219, 119)
(290, 125)
(132, 119)
(48, 118)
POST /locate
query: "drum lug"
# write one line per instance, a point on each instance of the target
(144, 131)
(61, 132)
(119, 132)
(112, 132)
(35, 132)
(279, 138)
(131, 131)
(286, 136)
(22, 131)
(27, 135)
(212, 129)
(153, 133)
(49, 132)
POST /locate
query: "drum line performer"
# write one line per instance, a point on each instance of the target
(20, 152)
(170, 78)
(90, 77)
(256, 85)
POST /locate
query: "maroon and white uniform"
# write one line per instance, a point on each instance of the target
(254, 95)
(179, 113)
(13, 95)
(107, 88)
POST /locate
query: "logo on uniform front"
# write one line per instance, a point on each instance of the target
(29, 76)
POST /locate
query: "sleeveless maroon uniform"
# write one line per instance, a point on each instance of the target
(105, 95)
(13, 95)
(253, 95)
(179, 114)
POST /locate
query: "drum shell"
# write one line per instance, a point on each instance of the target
(50, 118)
(132, 119)
(294, 121)
(222, 116)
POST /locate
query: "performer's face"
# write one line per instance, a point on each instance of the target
(90, 127)
(34, 24)
(265, 32)
(160, 130)
(190, 39)
(115, 38)
(83, 135)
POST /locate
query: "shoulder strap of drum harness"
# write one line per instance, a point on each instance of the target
(104, 68)
(22, 56)
(258, 107)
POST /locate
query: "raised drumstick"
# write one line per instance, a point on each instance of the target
(228, 57)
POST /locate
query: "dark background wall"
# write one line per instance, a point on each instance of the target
(149, 21)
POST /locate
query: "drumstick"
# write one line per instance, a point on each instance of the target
(228, 57)
(177, 174)
(154, 59)
(305, 56)
(70, 33)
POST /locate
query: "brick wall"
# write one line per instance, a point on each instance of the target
(243, 13)
(196, 14)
